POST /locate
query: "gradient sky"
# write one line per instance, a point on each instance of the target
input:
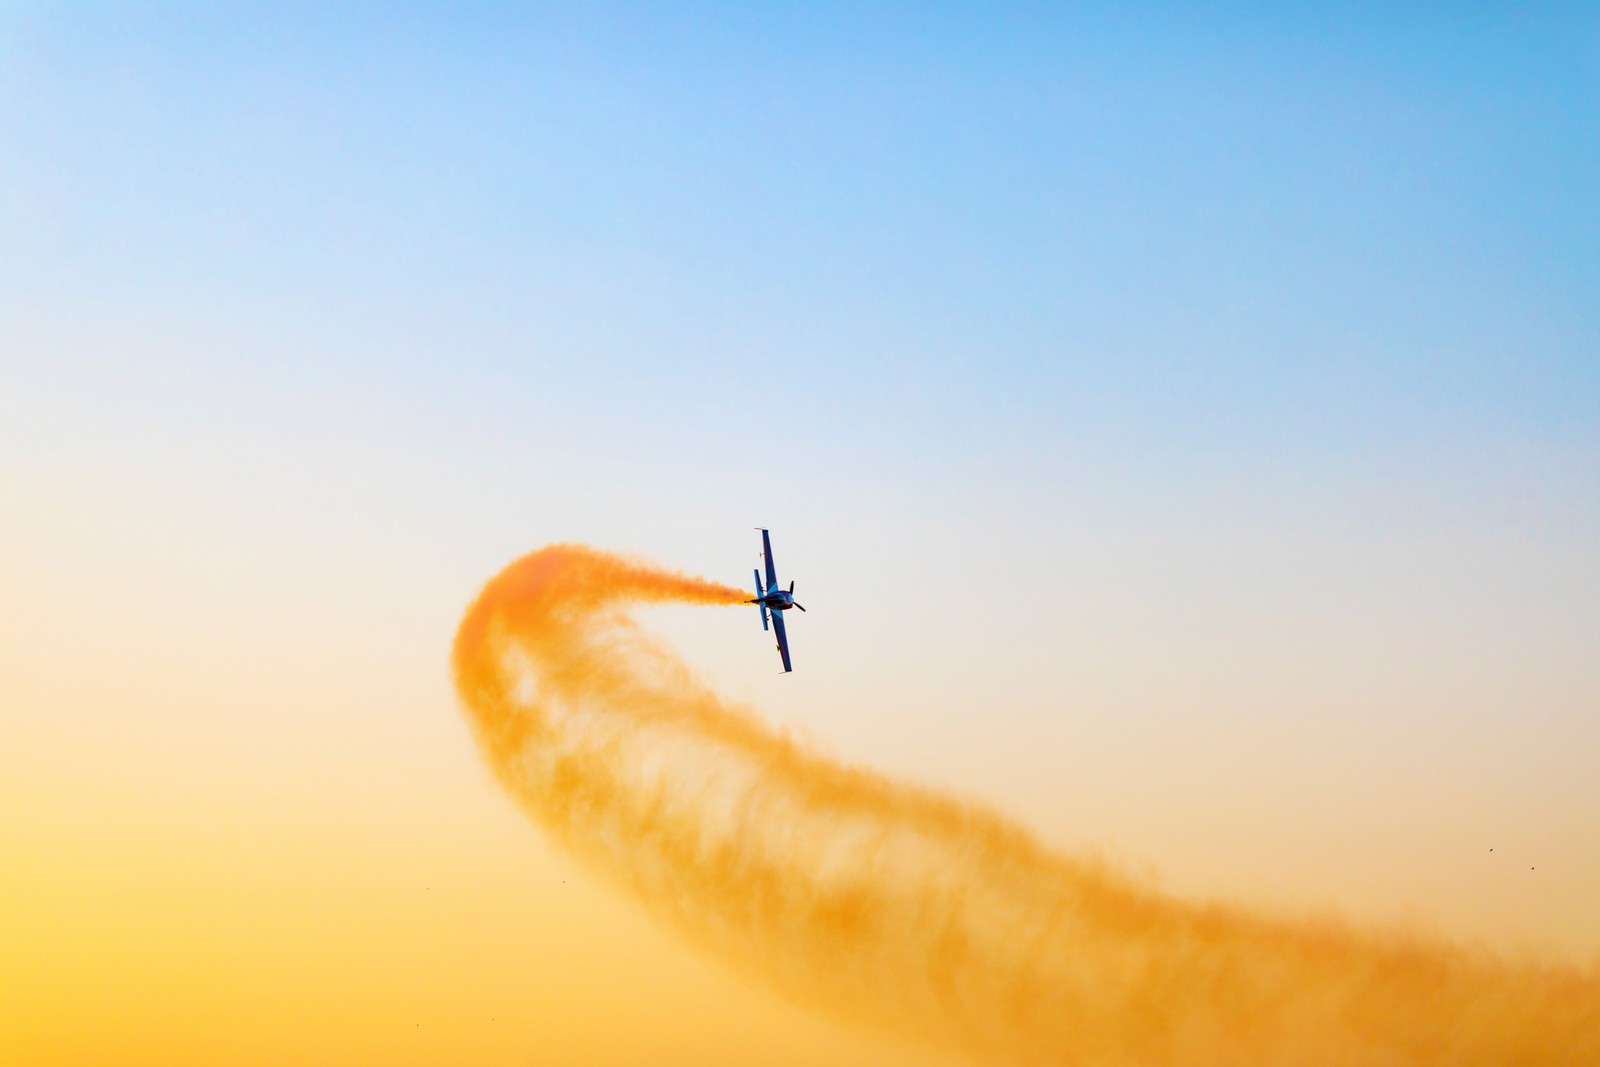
(1183, 429)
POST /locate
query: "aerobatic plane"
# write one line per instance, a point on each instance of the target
(773, 599)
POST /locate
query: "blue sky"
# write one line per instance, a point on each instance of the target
(1322, 230)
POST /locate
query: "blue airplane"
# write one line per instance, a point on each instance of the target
(770, 597)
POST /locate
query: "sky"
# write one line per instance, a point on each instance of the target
(1184, 430)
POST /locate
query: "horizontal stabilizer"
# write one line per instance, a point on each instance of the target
(762, 603)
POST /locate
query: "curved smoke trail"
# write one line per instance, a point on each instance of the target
(924, 913)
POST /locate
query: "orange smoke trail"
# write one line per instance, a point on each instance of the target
(927, 914)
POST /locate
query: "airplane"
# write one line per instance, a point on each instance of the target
(770, 597)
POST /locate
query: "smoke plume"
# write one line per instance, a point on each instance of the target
(921, 913)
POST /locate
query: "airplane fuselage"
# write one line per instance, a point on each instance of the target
(778, 601)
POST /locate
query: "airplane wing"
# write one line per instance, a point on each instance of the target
(783, 635)
(772, 572)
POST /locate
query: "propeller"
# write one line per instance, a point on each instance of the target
(791, 596)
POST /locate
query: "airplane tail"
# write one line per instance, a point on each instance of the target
(760, 592)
